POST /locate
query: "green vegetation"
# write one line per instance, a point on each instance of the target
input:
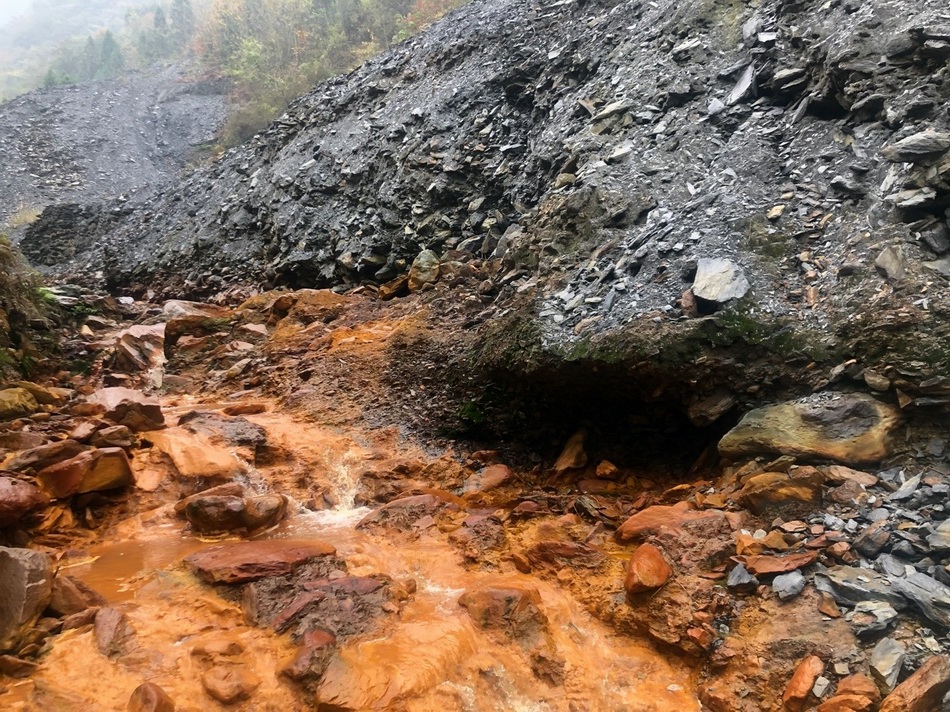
(20, 304)
(274, 50)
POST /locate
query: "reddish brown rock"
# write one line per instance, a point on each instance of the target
(799, 687)
(839, 474)
(846, 703)
(130, 408)
(230, 684)
(647, 570)
(15, 667)
(653, 519)
(210, 514)
(311, 658)
(71, 596)
(513, 609)
(490, 478)
(924, 690)
(90, 471)
(773, 493)
(564, 553)
(766, 565)
(113, 631)
(18, 499)
(861, 685)
(78, 620)
(140, 347)
(252, 560)
(149, 697)
(245, 409)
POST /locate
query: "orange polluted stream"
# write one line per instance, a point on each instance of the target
(430, 657)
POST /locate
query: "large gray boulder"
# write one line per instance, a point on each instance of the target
(26, 583)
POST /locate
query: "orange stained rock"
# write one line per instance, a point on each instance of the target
(647, 569)
(922, 691)
(799, 687)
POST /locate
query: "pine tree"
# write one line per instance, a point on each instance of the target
(183, 22)
(111, 59)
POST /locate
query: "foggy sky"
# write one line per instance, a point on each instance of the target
(12, 8)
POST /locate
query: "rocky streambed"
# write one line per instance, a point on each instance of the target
(245, 505)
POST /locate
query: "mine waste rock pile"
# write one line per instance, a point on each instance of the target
(567, 356)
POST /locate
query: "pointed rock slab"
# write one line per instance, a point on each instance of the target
(18, 499)
(149, 697)
(851, 429)
(920, 146)
(26, 580)
(924, 690)
(719, 281)
(849, 586)
(251, 560)
(130, 408)
(90, 471)
(763, 565)
(573, 456)
(113, 632)
(45, 455)
(887, 659)
(647, 570)
(803, 680)
(928, 594)
(140, 348)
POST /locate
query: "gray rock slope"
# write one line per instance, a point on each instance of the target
(90, 142)
(793, 153)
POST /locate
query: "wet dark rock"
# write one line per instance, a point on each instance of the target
(404, 512)
(40, 457)
(25, 586)
(872, 540)
(70, 596)
(311, 658)
(131, 408)
(850, 586)
(113, 632)
(930, 596)
(215, 513)
(741, 581)
(18, 500)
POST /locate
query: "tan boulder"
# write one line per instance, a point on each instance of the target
(196, 455)
(90, 471)
(850, 429)
(17, 402)
(47, 395)
(18, 499)
(573, 456)
(647, 570)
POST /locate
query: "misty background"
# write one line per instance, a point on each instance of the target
(271, 51)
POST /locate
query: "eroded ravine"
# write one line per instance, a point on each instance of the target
(432, 656)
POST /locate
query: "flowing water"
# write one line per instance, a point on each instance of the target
(431, 657)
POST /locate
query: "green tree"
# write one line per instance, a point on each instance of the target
(111, 60)
(183, 22)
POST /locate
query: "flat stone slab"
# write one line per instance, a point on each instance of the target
(245, 561)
